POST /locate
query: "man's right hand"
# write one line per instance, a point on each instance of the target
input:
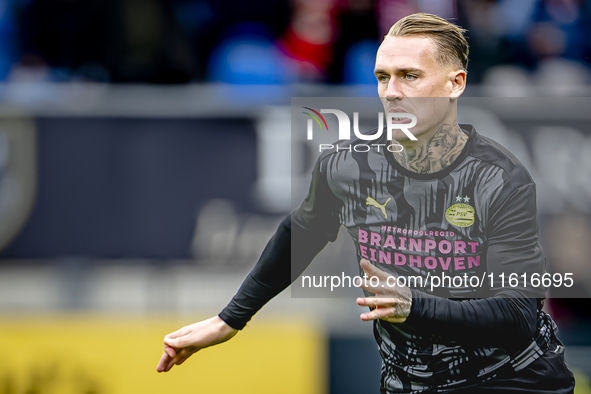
(179, 345)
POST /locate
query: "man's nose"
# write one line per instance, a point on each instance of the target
(394, 90)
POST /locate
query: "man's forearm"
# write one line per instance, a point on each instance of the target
(273, 273)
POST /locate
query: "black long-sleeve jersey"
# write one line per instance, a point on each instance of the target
(477, 217)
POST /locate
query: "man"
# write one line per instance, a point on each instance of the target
(455, 203)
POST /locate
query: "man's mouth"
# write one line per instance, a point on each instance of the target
(400, 119)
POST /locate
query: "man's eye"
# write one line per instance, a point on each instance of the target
(410, 77)
(383, 78)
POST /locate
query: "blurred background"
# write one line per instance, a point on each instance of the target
(145, 162)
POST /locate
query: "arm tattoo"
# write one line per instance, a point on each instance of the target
(402, 308)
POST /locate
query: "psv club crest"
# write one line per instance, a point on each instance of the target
(460, 214)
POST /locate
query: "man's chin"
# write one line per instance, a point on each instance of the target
(401, 137)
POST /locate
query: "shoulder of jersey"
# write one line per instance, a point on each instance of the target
(494, 153)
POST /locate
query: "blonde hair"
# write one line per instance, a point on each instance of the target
(452, 47)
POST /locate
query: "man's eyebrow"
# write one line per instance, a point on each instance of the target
(405, 70)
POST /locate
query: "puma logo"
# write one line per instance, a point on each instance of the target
(382, 207)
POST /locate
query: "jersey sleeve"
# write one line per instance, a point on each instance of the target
(299, 238)
(507, 318)
(513, 247)
(508, 323)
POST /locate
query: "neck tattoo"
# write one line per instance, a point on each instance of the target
(436, 154)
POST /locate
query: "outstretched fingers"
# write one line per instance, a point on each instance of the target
(394, 310)
(181, 344)
(374, 302)
(163, 363)
(181, 356)
(377, 313)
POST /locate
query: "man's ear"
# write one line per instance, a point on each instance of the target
(458, 83)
